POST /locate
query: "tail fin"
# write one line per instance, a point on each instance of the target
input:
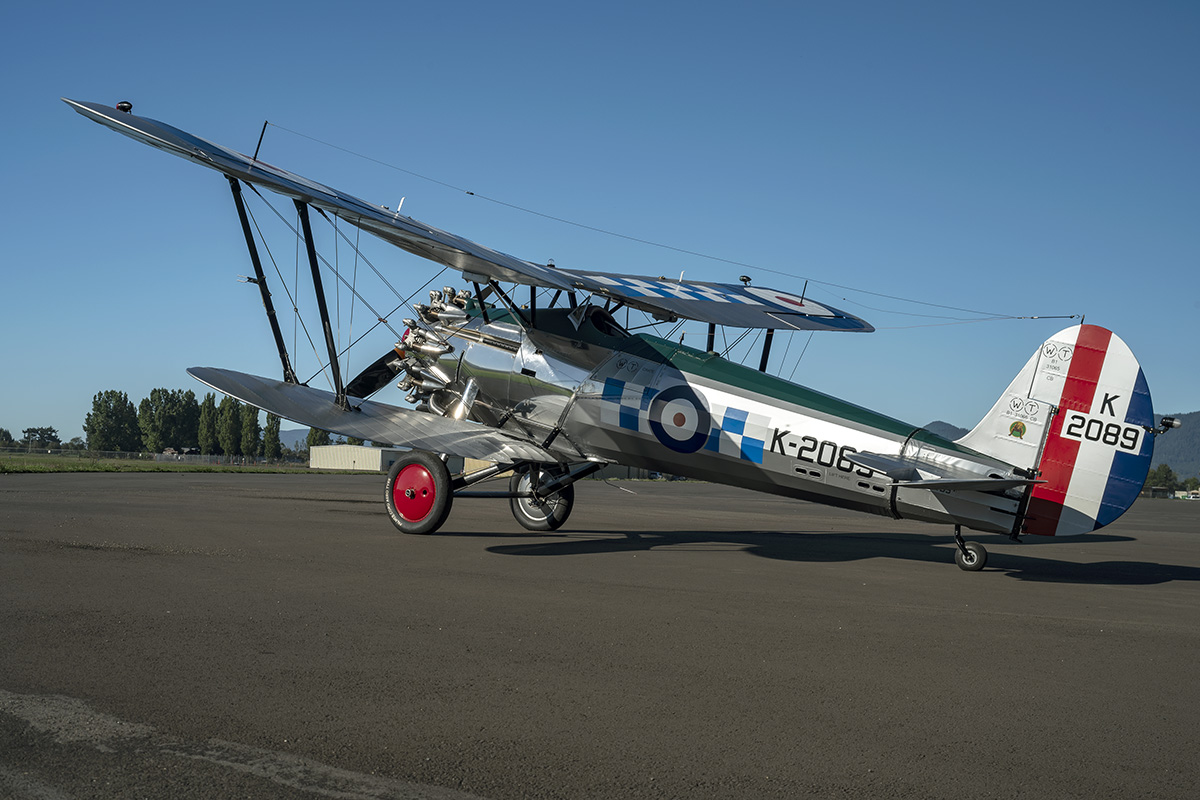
(1078, 414)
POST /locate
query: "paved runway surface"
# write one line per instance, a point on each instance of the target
(199, 636)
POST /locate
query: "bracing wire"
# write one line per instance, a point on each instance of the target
(296, 318)
(330, 267)
(800, 358)
(337, 287)
(988, 316)
(354, 280)
(406, 301)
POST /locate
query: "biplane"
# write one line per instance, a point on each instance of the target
(553, 391)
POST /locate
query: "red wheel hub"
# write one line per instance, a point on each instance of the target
(414, 493)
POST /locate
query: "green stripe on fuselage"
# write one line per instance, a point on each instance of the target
(712, 368)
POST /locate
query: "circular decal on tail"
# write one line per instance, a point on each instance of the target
(679, 419)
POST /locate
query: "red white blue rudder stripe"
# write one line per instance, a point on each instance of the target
(1098, 447)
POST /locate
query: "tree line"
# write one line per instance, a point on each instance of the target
(40, 439)
(1163, 477)
(175, 419)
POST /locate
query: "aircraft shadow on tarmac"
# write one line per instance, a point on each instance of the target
(1012, 559)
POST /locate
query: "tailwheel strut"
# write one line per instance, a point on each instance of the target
(970, 556)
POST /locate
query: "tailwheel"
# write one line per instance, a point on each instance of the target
(535, 511)
(970, 556)
(418, 493)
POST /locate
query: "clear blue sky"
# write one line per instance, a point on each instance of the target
(1025, 158)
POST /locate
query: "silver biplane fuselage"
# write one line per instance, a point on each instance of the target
(589, 390)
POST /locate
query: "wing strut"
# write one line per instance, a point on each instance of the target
(289, 374)
(766, 353)
(339, 389)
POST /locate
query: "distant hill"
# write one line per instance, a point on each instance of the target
(946, 430)
(1180, 448)
(296, 438)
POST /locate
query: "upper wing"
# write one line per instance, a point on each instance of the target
(376, 422)
(721, 304)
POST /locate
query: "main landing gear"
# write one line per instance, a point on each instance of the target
(420, 491)
(970, 556)
(532, 505)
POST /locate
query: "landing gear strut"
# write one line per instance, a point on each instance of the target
(533, 507)
(970, 556)
(420, 490)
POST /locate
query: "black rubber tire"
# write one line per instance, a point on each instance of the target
(426, 508)
(540, 515)
(973, 560)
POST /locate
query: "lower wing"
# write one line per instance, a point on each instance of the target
(368, 420)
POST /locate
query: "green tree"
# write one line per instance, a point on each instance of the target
(169, 418)
(1192, 484)
(75, 444)
(272, 449)
(229, 426)
(112, 424)
(206, 431)
(6, 438)
(150, 421)
(40, 438)
(354, 440)
(317, 437)
(185, 415)
(251, 440)
(1163, 477)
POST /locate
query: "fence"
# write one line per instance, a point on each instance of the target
(118, 455)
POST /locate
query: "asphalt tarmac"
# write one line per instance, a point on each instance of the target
(272, 636)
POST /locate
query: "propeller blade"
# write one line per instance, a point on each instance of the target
(376, 376)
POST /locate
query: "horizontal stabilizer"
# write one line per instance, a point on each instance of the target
(921, 474)
(371, 421)
(964, 485)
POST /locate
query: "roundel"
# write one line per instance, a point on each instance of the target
(679, 419)
(790, 302)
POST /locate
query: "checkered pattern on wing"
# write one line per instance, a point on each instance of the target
(645, 287)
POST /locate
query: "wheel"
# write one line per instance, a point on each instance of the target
(418, 493)
(973, 560)
(540, 514)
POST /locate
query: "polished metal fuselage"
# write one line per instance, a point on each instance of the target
(587, 391)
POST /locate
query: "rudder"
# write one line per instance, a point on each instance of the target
(1081, 408)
